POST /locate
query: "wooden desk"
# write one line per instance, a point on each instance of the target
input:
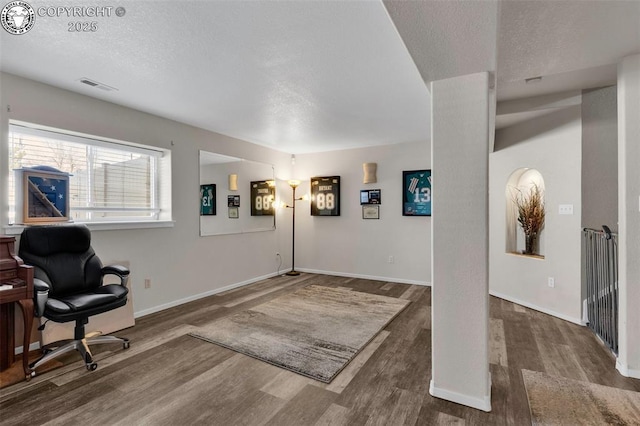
(13, 272)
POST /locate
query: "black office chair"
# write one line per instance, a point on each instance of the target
(68, 286)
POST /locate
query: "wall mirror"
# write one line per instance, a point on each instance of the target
(236, 195)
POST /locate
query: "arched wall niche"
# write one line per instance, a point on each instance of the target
(520, 182)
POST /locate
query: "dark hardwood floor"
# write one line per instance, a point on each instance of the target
(170, 378)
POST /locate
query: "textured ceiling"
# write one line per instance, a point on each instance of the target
(308, 76)
(294, 76)
(447, 38)
(574, 44)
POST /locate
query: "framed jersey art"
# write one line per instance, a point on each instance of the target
(263, 194)
(325, 196)
(416, 193)
(208, 199)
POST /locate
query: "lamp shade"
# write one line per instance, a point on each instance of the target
(370, 170)
(233, 182)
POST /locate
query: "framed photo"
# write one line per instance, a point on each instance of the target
(233, 200)
(233, 212)
(416, 193)
(370, 196)
(45, 195)
(208, 199)
(325, 196)
(263, 193)
(371, 211)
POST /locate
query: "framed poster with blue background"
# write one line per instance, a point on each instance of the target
(416, 193)
(325, 196)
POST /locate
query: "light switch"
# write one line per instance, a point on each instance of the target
(565, 209)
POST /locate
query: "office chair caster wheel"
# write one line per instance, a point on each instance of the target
(92, 366)
(125, 345)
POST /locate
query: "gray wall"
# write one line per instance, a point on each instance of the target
(600, 158)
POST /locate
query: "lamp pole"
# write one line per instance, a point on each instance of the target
(294, 184)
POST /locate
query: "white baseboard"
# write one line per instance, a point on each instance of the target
(538, 308)
(626, 371)
(365, 277)
(178, 302)
(483, 404)
(32, 347)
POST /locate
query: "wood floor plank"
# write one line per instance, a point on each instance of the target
(305, 409)
(497, 343)
(335, 415)
(286, 384)
(343, 379)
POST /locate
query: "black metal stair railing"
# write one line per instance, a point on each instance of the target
(600, 248)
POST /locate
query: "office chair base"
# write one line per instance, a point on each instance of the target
(82, 346)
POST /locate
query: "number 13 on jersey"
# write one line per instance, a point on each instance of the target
(325, 196)
(416, 193)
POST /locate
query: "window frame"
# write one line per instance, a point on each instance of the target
(160, 210)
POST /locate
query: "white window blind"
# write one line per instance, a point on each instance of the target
(110, 181)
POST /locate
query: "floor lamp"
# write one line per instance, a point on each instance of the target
(293, 184)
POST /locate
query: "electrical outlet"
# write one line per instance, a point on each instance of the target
(551, 282)
(391, 259)
(565, 209)
(147, 283)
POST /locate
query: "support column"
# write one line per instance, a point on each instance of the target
(628, 362)
(459, 247)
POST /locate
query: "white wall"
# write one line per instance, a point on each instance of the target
(629, 214)
(460, 299)
(600, 158)
(179, 262)
(552, 145)
(350, 245)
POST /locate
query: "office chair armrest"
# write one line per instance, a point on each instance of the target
(41, 295)
(118, 270)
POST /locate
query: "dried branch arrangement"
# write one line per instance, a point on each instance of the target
(531, 213)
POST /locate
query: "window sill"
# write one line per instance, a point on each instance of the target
(100, 226)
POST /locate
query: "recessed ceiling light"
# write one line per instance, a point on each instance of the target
(96, 84)
(533, 80)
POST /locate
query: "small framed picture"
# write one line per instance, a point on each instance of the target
(233, 213)
(371, 211)
(233, 200)
(370, 196)
(208, 199)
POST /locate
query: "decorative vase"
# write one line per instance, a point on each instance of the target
(531, 244)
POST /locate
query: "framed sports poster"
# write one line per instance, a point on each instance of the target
(263, 193)
(208, 199)
(325, 196)
(416, 193)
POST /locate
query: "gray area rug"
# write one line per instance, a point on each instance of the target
(314, 331)
(559, 401)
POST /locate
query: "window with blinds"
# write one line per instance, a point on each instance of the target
(110, 181)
